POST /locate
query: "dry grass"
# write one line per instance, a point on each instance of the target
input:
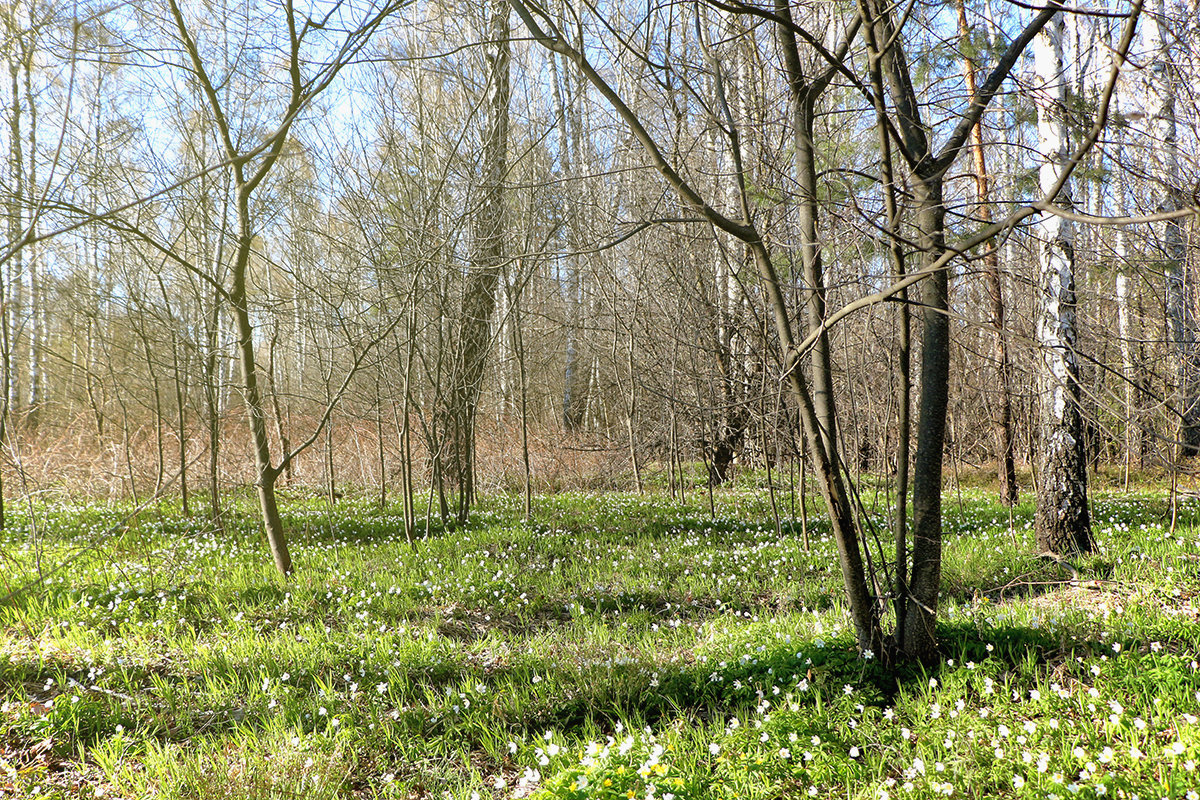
(74, 461)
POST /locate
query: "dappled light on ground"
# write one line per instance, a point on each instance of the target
(619, 646)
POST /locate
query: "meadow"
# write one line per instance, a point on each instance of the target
(616, 646)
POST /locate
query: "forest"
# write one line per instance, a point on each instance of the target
(541, 398)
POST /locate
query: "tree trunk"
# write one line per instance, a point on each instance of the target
(1061, 522)
(1181, 324)
(915, 633)
(863, 610)
(805, 166)
(632, 407)
(916, 636)
(1135, 438)
(1002, 418)
(265, 473)
(818, 409)
(904, 330)
(1130, 371)
(479, 298)
(181, 424)
(568, 95)
(212, 403)
(919, 638)
(37, 312)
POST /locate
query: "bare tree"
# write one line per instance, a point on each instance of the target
(488, 261)
(249, 166)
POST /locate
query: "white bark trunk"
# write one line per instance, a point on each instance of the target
(1124, 299)
(1062, 520)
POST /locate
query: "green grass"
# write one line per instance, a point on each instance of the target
(619, 646)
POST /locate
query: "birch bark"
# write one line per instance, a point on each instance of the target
(1062, 522)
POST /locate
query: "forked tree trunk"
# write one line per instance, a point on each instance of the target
(246, 176)
(479, 298)
(915, 633)
(818, 408)
(864, 607)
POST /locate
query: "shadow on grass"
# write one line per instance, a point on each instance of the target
(574, 697)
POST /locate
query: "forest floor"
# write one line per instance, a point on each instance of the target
(617, 646)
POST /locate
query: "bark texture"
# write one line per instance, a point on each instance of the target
(479, 296)
(1062, 521)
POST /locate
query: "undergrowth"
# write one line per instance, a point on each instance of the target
(617, 646)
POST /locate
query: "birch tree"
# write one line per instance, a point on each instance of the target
(1062, 522)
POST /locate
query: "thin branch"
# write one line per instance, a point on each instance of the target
(551, 39)
(1046, 204)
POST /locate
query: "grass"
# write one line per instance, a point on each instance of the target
(619, 646)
